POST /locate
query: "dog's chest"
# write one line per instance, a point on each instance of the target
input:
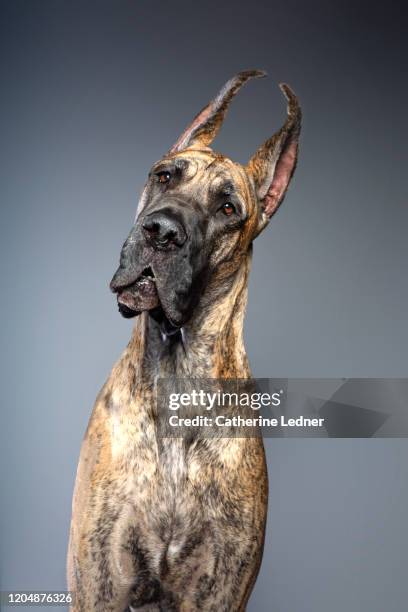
(165, 494)
(166, 507)
(157, 473)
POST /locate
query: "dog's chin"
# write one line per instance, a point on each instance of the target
(149, 294)
(143, 296)
(157, 313)
(140, 296)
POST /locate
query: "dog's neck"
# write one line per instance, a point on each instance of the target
(210, 345)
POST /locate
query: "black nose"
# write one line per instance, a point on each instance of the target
(163, 230)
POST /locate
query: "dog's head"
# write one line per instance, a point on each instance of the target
(199, 213)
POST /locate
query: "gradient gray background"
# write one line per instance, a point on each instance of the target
(92, 94)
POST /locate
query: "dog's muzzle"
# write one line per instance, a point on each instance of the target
(155, 265)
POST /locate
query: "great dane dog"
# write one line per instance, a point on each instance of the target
(179, 525)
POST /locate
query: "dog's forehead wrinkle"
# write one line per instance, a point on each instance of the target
(224, 182)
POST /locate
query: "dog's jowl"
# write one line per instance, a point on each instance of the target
(179, 524)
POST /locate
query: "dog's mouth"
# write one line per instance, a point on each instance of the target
(138, 296)
(142, 295)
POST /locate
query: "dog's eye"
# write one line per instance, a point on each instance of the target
(228, 209)
(163, 177)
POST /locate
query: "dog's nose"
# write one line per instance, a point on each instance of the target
(163, 230)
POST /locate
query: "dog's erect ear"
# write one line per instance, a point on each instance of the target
(205, 126)
(274, 163)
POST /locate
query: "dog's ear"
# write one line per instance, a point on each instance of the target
(274, 163)
(205, 126)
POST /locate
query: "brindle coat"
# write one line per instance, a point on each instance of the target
(166, 524)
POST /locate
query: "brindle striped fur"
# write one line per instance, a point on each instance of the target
(170, 525)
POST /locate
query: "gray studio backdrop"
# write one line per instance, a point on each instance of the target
(92, 94)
